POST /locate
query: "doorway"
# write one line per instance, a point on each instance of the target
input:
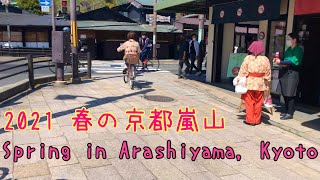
(309, 28)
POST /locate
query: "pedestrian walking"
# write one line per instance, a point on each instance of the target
(194, 53)
(183, 56)
(202, 54)
(256, 68)
(289, 74)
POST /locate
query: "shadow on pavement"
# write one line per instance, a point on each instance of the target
(15, 99)
(4, 171)
(313, 124)
(94, 103)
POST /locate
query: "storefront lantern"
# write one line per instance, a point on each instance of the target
(261, 9)
(239, 12)
(261, 36)
(245, 10)
(222, 14)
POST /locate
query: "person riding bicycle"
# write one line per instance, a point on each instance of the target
(145, 46)
(131, 46)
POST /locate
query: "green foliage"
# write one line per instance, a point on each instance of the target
(95, 4)
(30, 5)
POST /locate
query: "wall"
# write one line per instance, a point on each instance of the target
(263, 27)
(290, 16)
(228, 42)
(284, 7)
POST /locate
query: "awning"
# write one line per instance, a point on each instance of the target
(183, 6)
(246, 10)
(307, 7)
(124, 26)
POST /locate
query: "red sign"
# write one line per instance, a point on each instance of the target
(307, 7)
(235, 70)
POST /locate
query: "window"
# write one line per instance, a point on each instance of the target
(277, 38)
(42, 37)
(244, 36)
(31, 37)
(36, 37)
(16, 36)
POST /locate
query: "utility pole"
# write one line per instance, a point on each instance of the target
(155, 15)
(53, 9)
(201, 28)
(6, 3)
(74, 41)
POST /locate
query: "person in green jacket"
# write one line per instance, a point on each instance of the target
(289, 74)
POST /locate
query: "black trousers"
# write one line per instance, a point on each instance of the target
(199, 63)
(192, 65)
(289, 105)
(181, 63)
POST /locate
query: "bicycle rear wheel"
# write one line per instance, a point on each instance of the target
(132, 76)
(52, 67)
(125, 78)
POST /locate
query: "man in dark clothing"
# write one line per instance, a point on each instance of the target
(183, 56)
(145, 47)
(194, 53)
(202, 54)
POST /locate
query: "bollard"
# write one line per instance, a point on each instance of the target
(30, 71)
(89, 61)
(75, 70)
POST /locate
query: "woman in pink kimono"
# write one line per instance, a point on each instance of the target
(256, 68)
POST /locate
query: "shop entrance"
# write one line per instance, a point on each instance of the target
(309, 28)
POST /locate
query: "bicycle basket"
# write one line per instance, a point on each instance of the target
(132, 58)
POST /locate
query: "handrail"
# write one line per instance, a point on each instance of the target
(30, 68)
(16, 60)
(14, 67)
(4, 77)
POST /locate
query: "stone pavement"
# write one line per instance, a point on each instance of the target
(110, 94)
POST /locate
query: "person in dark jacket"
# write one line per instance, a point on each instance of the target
(202, 54)
(289, 74)
(183, 56)
(194, 53)
(145, 46)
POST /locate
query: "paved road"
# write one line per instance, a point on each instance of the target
(108, 93)
(98, 67)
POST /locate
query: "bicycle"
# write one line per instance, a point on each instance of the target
(131, 73)
(154, 63)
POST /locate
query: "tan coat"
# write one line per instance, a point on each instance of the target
(259, 64)
(130, 47)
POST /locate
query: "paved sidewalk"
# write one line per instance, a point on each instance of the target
(110, 94)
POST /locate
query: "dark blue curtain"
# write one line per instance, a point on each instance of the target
(246, 10)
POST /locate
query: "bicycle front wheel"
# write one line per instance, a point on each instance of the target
(154, 64)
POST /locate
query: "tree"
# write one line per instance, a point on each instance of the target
(32, 6)
(95, 4)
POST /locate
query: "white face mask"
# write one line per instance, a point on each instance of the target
(194, 39)
(289, 43)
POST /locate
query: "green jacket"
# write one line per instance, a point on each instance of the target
(294, 55)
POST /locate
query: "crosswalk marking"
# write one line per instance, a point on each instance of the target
(115, 68)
